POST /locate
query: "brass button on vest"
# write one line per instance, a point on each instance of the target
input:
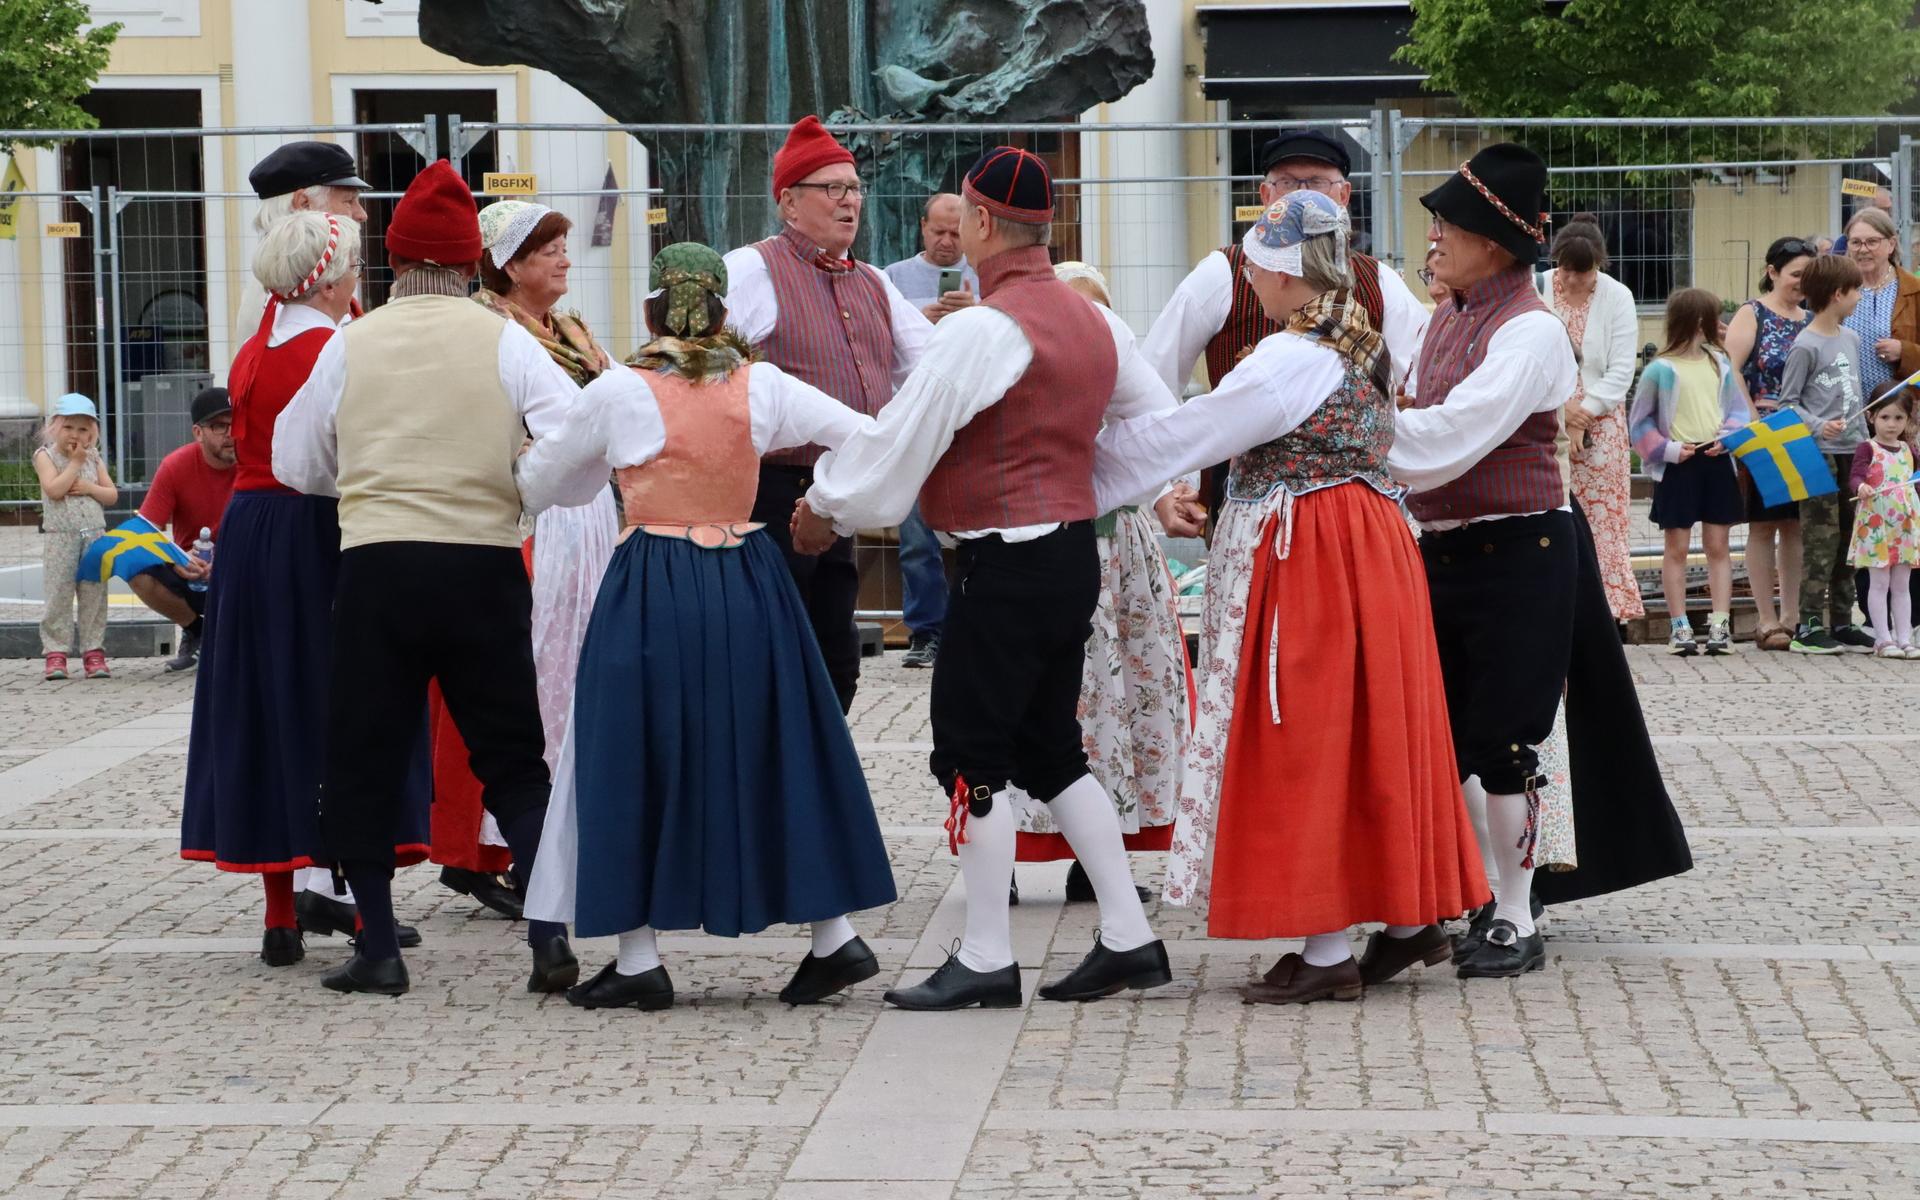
(1546, 542)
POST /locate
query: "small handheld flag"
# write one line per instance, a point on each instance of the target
(1782, 456)
(127, 550)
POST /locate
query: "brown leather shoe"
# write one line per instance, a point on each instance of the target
(1386, 956)
(1302, 983)
(1773, 637)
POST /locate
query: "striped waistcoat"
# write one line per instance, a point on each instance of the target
(834, 330)
(1521, 474)
(1247, 324)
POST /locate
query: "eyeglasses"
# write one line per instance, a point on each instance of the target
(1425, 275)
(834, 191)
(1440, 225)
(1287, 183)
(1867, 243)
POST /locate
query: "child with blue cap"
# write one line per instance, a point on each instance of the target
(75, 491)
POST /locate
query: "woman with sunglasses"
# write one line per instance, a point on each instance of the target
(1758, 338)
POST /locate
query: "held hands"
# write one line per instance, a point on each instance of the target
(1575, 416)
(811, 532)
(1181, 513)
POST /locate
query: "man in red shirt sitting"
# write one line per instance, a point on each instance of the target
(189, 493)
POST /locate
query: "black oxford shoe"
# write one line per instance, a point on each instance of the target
(494, 891)
(381, 977)
(282, 948)
(1080, 888)
(1386, 957)
(1103, 972)
(649, 991)
(555, 969)
(325, 916)
(819, 978)
(1505, 954)
(956, 985)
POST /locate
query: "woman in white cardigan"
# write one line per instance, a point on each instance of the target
(1599, 314)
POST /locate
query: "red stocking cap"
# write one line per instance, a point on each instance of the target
(436, 220)
(809, 147)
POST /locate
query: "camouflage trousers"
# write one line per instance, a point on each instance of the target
(1826, 526)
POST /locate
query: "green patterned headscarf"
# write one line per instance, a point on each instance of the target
(689, 272)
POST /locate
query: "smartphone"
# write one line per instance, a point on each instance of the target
(951, 279)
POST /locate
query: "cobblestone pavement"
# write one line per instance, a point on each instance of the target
(1748, 1031)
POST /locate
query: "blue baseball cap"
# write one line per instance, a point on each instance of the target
(73, 404)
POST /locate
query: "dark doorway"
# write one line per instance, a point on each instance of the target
(389, 163)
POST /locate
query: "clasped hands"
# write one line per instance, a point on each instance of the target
(811, 532)
(1180, 511)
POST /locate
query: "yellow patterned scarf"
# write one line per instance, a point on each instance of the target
(1338, 322)
(564, 337)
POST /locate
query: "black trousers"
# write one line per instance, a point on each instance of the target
(1006, 687)
(829, 583)
(1503, 596)
(405, 613)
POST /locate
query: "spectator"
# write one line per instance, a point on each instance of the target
(1687, 398)
(918, 278)
(1821, 381)
(1886, 523)
(1888, 315)
(1882, 202)
(189, 493)
(1758, 339)
(75, 491)
(1600, 318)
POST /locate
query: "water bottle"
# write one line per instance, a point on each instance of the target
(203, 553)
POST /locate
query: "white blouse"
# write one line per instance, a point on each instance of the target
(616, 423)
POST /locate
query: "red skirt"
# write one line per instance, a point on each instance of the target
(1349, 809)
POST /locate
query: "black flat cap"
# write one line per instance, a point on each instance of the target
(1305, 143)
(299, 165)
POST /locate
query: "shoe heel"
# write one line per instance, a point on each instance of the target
(1437, 956)
(1012, 1001)
(1349, 992)
(656, 1003)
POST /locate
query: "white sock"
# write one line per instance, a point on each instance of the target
(1507, 822)
(639, 952)
(1084, 813)
(1476, 798)
(1327, 949)
(986, 863)
(319, 879)
(490, 834)
(829, 936)
(1403, 931)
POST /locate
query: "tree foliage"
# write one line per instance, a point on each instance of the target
(48, 60)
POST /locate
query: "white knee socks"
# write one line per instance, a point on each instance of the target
(1085, 815)
(829, 936)
(1507, 824)
(639, 952)
(319, 879)
(986, 863)
(1476, 798)
(1327, 949)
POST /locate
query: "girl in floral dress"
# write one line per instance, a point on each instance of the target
(1886, 521)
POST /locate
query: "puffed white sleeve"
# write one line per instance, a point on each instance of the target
(1196, 312)
(786, 412)
(306, 445)
(1528, 368)
(1405, 321)
(613, 422)
(751, 306)
(541, 392)
(1268, 394)
(1137, 388)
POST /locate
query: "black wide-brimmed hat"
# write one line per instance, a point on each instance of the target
(1500, 194)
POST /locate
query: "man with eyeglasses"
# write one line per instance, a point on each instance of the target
(1214, 310)
(818, 314)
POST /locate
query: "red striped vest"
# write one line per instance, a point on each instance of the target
(1247, 324)
(1028, 460)
(834, 330)
(1521, 474)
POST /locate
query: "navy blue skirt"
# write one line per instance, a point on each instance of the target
(715, 781)
(257, 751)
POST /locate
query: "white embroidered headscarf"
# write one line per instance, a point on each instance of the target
(504, 226)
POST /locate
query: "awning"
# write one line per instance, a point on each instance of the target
(1314, 53)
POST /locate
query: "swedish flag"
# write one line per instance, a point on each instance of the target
(1780, 453)
(127, 550)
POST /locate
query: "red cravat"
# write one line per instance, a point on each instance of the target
(837, 266)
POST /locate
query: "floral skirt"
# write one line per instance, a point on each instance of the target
(1598, 476)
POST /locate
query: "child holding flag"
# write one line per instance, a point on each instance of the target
(1686, 399)
(1886, 521)
(1821, 381)
(74, 492)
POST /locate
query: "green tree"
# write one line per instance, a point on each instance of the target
(48, 60)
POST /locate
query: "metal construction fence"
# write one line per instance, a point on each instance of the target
(129, 269)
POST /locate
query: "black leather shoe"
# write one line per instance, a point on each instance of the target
(1080, 888)
(1103, 972)
(322, 915)
(282, 948)
(382, 977)
(555, 969)
(649, 991)
(819, 978)
(1386, 957)
(406, 936)
(955, 985)
(494, 891)
(1505, 954)
(1464, 944)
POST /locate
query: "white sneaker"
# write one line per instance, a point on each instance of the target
(1912, 652)
(1681, 640)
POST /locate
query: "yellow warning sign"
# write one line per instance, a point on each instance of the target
(1248, 213)
(1859, 187)
(63, 229)
(502, 183)
(10, 205)
(656, 216)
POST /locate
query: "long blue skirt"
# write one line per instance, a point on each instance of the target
(256, 755)
(715, 781)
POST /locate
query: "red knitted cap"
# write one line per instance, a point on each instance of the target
(436, 220)
(809, 147)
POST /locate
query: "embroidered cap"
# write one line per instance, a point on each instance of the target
(1012, 184)
(504, 226)
(1274, 241)
(688, 272)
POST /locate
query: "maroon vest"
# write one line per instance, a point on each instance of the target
(1247, 324)
(1028, 459)
(1521, 474)
(834, 330)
